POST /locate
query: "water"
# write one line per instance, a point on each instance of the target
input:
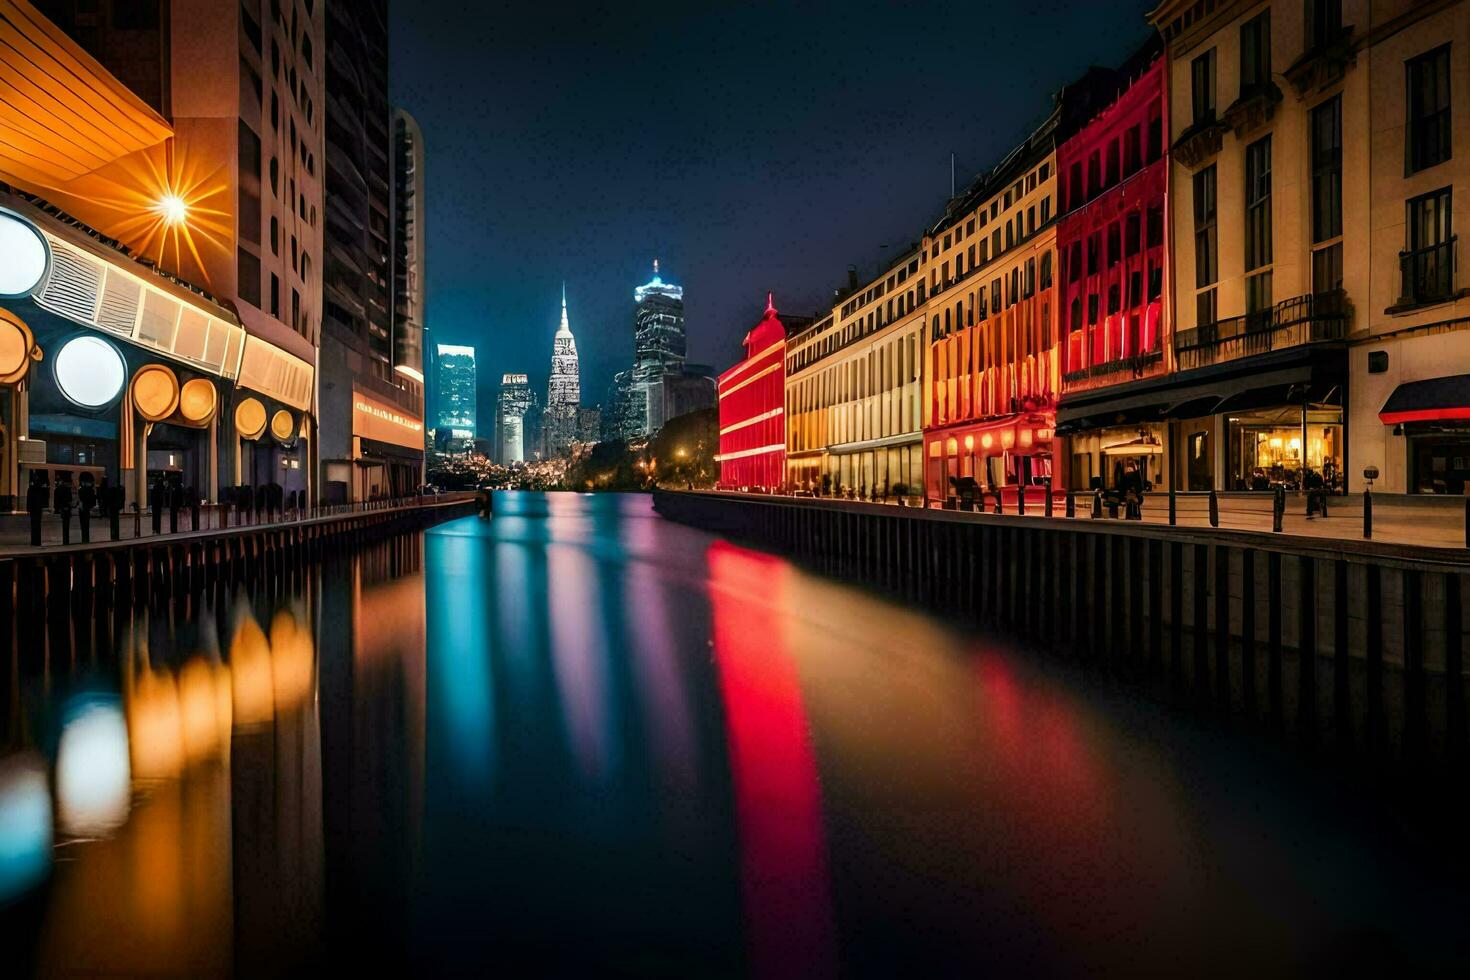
(580, 740)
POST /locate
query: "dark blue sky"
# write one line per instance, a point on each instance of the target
(748, 146)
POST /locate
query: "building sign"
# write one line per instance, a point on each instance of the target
(372, 419)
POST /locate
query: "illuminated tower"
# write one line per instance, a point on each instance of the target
(564, 391)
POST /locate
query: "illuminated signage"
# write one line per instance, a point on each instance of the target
(372, 419)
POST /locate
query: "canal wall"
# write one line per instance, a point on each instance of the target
(52, 584)
(1354, 644)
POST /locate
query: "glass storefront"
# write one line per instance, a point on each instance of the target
(1440, 461)
(1104, 454)
(1287, 447)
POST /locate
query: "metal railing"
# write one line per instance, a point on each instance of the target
(1428, 274)
(1301, 320)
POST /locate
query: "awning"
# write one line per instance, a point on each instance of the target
(1135, 447)
(1430, 400)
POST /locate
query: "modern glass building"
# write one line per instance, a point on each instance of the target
(659, 344)
(454, 368)
(510, 417)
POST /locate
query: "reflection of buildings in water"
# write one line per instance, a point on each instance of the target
(25, 825)
(778, 803)
(579, 656)
(182, 857)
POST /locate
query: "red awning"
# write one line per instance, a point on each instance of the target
(1431, 400)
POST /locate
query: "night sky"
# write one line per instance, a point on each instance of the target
(747, 146)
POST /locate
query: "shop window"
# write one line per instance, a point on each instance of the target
(1289, 447)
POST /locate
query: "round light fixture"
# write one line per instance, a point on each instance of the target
(173, 208)
(283, 426)
(90, 371)
(249, 418)
(22, 256)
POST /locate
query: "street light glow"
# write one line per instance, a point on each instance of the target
(173, 208)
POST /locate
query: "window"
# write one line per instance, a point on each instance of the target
(1202, 86)
(1327, 170)
(1429, 263)
(1155, 137)
(1255, 52)
(1094, 252)
(1112, 164)
(248, 276)
(1324, 22)
(1131, 151)
(1206, 244)
(1074, 187)
(1429, 109)
(1094, 174)
(275, 296)
(1258, 204)
(275, 236)
(1326, 131)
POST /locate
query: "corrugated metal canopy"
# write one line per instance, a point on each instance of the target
(62, 115)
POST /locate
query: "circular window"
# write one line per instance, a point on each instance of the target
(249, 418)
(197, 400)
(90, 371)
(283, 426)
(22, 256)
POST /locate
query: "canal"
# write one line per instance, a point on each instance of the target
(579, 739)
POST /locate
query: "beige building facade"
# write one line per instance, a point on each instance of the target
(854, 388)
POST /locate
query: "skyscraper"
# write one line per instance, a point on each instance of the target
(409, 247)
(510, 419)
(454, 397)
(564, 391)
(658, 349)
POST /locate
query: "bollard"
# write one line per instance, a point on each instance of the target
(1214, 509)
(1071, 504)
(1049, 503)
(1367, 513)
(1278, 509)
(1467, 522)
(1096, 504)
(1173, 505)
(999, 502)
(1021, 499)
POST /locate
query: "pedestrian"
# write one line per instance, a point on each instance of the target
(62, 502)
(156, 499)
(194, 502)
(87, 496)
(36, 499)
(1315, 502)
(1131, 486)
(112, 502)
(175, 504)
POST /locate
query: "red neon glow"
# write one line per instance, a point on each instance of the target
(1448, 414)
(750, 394)
(778, 806)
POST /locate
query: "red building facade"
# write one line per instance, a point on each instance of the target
(1112, 248)
(752, 410)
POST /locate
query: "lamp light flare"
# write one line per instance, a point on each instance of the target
(173, 209)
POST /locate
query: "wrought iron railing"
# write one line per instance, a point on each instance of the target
(1428, 274)
(1301, 320)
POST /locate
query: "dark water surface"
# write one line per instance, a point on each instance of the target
(580, 740)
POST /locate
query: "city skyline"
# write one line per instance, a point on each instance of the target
(657, 188)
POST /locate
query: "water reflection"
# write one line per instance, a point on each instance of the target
(576, 739)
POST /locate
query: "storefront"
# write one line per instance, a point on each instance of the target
(1104, 454)
(1433, 416)
(1014, 451)
(388, 448)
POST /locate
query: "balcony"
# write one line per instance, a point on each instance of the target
(1323, 63)
(1303, 320)
(1427, 277)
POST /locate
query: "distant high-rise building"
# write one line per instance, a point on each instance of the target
(564, 391)
(455, 395)
(589, 424)
(510, 419)
(659, 347)
(409, 247)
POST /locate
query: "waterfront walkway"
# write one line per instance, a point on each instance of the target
(1424, 521)
(15, 528)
